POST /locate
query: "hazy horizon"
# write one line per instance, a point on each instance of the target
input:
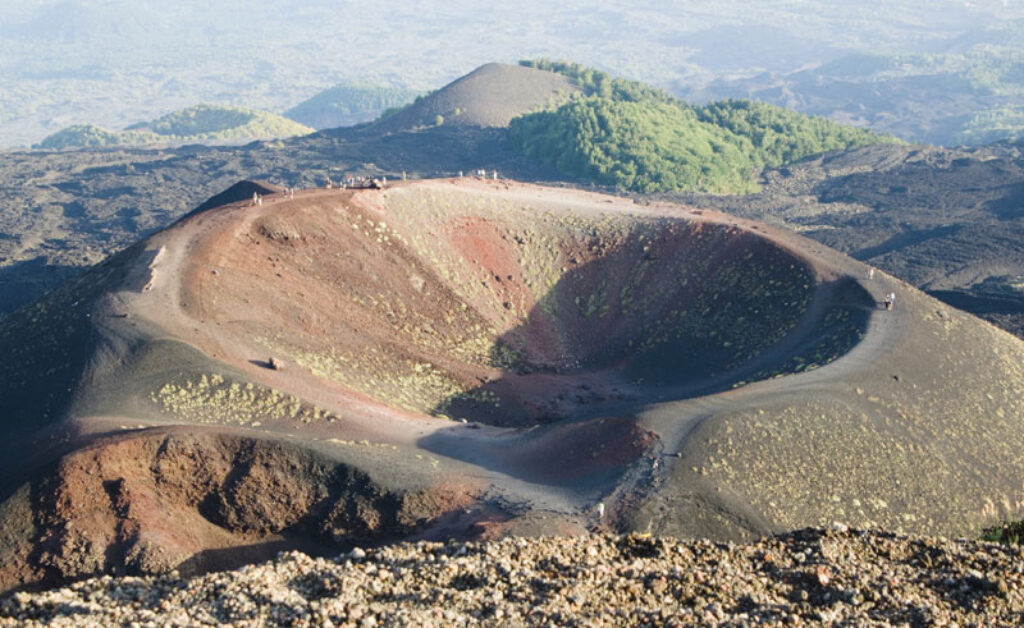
(119, 62)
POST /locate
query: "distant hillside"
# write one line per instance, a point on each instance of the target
(197, 124)
(349, 104)
(634, 137)
(69, 60)
(92, 136)
(966, 92)
(490, 96)
(991, 125)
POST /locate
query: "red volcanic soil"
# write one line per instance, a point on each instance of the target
(200, 499)
(472, 358)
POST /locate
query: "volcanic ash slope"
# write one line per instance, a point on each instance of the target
(476, 358)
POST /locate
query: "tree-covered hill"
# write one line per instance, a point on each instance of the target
(197, 124)
(643, 146)
(91, 136)
(635, 137)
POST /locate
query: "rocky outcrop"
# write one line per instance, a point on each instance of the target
(816, 576)
(156, 502)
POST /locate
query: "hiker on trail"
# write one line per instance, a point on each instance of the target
(871, 273)
(890, 300)
(255, 198)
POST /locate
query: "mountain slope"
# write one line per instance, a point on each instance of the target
(489, 96)
(348, 104)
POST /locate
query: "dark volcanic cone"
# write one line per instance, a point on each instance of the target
(489, 96)
(241, 191)
(475, 358)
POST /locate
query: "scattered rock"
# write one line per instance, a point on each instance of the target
(357, 553)
(836, 576)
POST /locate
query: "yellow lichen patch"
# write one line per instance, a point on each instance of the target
(859, 473)
(214, 399)
(413, 385)
(361, 443)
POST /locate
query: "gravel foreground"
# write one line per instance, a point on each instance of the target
(812, 576)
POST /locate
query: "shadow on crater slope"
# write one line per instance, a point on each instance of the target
(678, 309)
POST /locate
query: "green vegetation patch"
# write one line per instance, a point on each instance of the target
(1008, 533)
(198, 120)
(597, 83)
(201, 123)
(92, 136)
(645, 146)
(781, 136)
(634, 137)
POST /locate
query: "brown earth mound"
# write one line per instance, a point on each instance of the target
(477, 358)
(489, 96)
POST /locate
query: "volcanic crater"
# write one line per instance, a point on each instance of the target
(473, 357)
(470, 301)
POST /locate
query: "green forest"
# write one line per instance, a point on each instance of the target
(634, 137)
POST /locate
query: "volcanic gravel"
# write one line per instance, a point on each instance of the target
(816, 576)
